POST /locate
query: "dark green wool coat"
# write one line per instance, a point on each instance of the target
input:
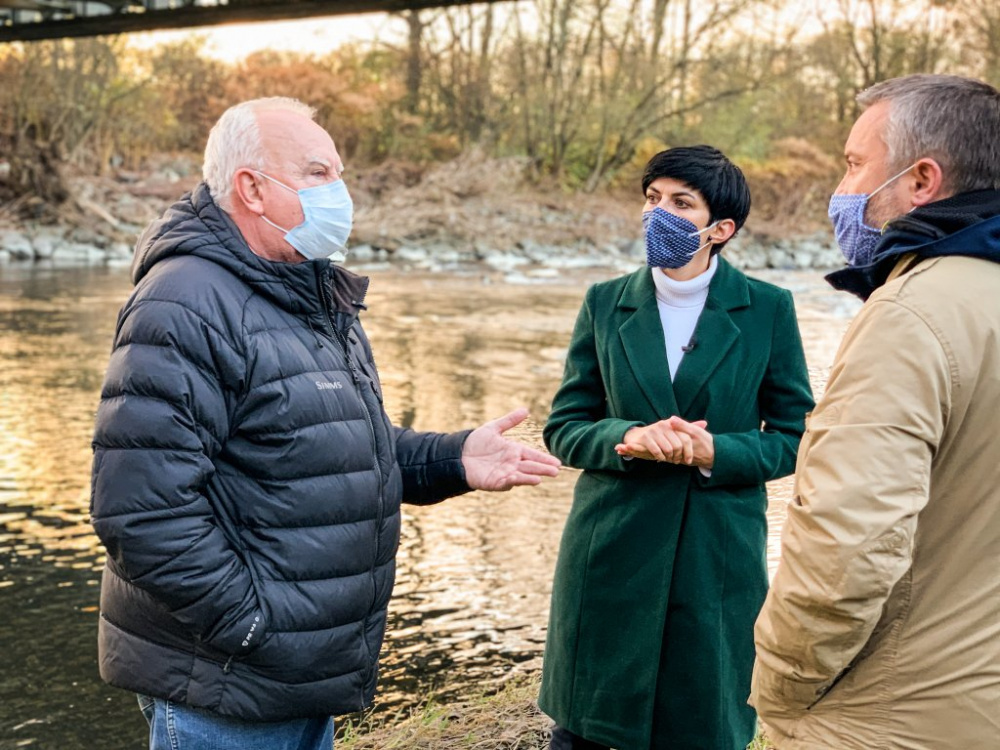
(662, 571)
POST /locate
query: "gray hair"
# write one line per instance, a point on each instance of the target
(951, 119)
(235, 143)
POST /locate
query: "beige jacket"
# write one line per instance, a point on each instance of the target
(882, 626)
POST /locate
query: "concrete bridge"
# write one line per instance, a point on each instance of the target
(29, 20)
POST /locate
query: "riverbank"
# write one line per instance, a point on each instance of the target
(472, 211)
(507, 720)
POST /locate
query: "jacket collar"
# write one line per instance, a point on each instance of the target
(196, 225)
(966, 224)
(728, 289)
(642, 338)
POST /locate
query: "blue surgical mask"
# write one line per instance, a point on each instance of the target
(671, 241)
(328, 214)
(857, 240)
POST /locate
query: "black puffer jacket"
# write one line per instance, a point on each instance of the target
(246, 480)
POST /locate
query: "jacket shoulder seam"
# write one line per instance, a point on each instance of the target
(953, 373)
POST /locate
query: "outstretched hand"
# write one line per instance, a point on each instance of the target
(493, 462)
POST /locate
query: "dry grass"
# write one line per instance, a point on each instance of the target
(509, 720)
(478, 201)
(472, 202)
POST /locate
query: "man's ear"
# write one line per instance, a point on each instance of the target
(722, 231)
(926, 183)
(247, 190)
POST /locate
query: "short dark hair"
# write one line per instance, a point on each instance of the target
(707, 170)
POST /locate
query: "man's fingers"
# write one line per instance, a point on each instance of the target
(519, 478)
(536, 468)
(531, 454)
(513, 419)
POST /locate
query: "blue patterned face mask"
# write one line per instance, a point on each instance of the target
(857, 240)
(328, 215)
(671, 241)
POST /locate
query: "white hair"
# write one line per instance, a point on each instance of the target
(235, 143)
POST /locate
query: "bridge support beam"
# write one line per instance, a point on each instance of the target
(146, 15)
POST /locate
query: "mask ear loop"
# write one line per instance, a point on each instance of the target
(884, 184)
(893, 179)
(276, 182)
(701, 247)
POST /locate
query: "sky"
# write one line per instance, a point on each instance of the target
(311, 35)
(323, 34)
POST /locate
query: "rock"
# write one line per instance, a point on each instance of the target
(410, 254)
(46, 242)
(367, 267)
(577, 261)
(539, 253)
(633, 248)
(130, 210)
(803, 258)
(16, 245)
(779, 257)
(85, 236)
(361, 253)
(504, 261)
(447, 255)
(79, 252)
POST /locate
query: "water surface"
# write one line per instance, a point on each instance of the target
(471, 597)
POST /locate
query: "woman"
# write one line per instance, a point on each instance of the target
(685, 391)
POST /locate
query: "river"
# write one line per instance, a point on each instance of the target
(471, 597)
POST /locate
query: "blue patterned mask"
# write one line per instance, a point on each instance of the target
(328, 215)
(671, 241)
(857, 240)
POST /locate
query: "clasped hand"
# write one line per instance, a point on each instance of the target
(673, 440)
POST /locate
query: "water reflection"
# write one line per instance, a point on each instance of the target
(474, 573)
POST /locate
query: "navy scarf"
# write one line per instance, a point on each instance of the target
(965, 224)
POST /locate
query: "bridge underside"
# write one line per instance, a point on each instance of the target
(31, 20)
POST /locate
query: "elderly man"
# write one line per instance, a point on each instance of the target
(247, 481)
(882, 627)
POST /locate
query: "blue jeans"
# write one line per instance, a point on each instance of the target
(173, 726)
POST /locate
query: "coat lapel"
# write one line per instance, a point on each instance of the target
(715, 334)
(642, 338)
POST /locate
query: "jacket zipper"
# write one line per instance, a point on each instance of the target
(356, 377)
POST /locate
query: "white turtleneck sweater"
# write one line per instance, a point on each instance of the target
(680, 304)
